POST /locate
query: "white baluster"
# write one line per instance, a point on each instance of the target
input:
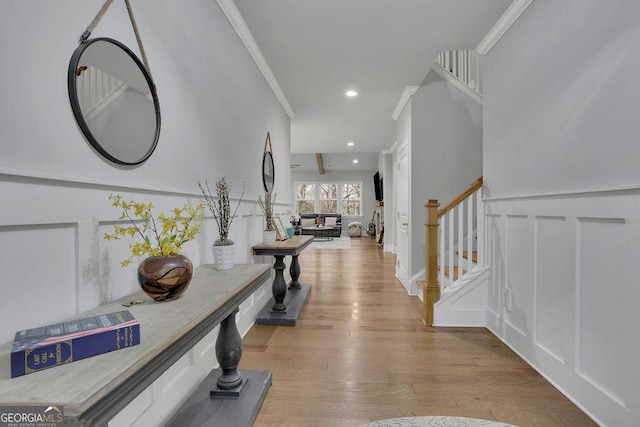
(441, 254)
(464, 67)
(460, 209)
(470, 216)
(452, 226)
(480, 225)
(467, 62)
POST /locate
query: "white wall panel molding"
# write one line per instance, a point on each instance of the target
(563, 194)
(39, 263)
(508, 18)
(495, 258)
(27, 177)
(554, 282)
(597, 348)
(84, 269)
(407, 93)
(47, 178)
(568, 264)
(517, 297)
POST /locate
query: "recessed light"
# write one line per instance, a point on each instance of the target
(351, 143)
(351, 93)
(355, 160)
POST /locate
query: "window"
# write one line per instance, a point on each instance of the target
(306, 197)
(329, 197)
(351, 195)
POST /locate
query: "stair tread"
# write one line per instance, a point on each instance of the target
(455, 272)
(474, 256)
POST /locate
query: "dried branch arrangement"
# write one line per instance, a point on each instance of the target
(221, 208)
(267, 208)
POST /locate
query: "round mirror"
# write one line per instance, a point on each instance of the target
(267, 171)
(114, 101)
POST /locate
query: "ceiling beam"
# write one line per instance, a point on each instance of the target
(320, 163)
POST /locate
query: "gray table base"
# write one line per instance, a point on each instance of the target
(294, 300)
(202, 410)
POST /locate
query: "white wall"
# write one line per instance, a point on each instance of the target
(388, 172)
(446, 153)
(216, 109)
(559, 125)
(368, 193)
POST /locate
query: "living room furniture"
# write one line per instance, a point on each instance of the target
(320, 233)
(355, 229)
(336, 230)
(95, 389)
(285, 307)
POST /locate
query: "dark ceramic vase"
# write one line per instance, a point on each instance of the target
(165, 278)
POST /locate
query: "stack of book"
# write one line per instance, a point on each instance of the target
(54, 345)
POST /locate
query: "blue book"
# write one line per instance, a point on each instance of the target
(54, 345)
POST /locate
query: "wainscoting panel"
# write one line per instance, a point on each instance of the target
(56, 264)
(598, 347)
(571, 273)
(38, 276)
(555, 286)
(494, 233)
(519, 274)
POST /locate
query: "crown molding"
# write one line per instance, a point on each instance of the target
(508, 18)
(408, 92)
(237, 22)
(457, 83)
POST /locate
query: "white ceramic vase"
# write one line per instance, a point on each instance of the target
(223, 257)
(269, 237)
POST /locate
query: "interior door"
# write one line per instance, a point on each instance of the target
(402, 267)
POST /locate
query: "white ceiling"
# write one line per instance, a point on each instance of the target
(318, 49)
(335, 162)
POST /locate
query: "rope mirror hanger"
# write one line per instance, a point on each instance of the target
(113, 95)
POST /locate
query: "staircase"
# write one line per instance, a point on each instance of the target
(463, 65)
(454, 292)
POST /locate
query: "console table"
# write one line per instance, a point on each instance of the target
(94, 390)
(285, 307)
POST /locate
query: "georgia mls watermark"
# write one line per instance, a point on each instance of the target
(31, 416)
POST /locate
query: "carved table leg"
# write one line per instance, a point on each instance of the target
(294, 269)
(228, 353)
(279, 287)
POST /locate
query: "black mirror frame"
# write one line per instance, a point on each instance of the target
(75, 105)
(267, 159)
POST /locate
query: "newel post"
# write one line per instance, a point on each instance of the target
(431, 292)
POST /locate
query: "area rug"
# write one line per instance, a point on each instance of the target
(342, 242)
(436, 422)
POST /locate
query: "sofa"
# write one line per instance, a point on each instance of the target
(336, 231)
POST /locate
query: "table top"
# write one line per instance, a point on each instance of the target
(293, 246)
(95, 389)
(317, 227)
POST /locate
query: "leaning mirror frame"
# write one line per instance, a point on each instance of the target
(76, 68)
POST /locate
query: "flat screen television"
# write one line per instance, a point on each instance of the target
(377, 186)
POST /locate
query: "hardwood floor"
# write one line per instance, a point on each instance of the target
(360, 353)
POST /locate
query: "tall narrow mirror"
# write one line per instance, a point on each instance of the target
(114, 101)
